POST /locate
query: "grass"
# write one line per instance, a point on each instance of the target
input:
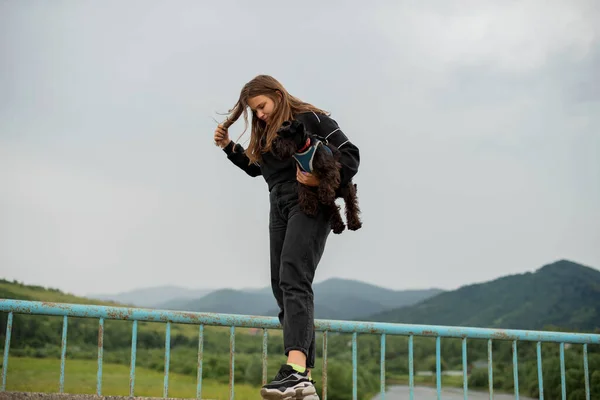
(42, 375)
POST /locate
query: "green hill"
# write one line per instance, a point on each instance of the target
(20, 291)
(562, 294)
(334, 299)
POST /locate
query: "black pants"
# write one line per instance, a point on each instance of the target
(297, 244)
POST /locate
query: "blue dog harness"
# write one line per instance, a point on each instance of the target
(305, 156)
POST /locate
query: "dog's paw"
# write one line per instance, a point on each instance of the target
(337, 227)
(354, 225)
(337, 224)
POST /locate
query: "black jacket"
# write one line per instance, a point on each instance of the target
(275, 171)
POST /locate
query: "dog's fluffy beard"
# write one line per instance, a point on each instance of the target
(291, 137)
(283, 148)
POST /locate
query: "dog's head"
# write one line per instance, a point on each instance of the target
(291, 137)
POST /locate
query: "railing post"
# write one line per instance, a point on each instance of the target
(540, 373)
(354, 368)
(438, 367)
(167, 358)
(231, 362)
(382, 367)
(586, 372)
(411, 374)
(563, 384)
(264, 355)
(9, 322)
(515, 369)
(63, 354)
(200, 358)
(100, 356)
(411, 366)
(490, 370)
(465, 370)
(133, 358)
(324, 365)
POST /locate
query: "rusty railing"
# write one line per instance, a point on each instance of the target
(103, 313)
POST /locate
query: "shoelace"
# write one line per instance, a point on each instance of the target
(283, 373)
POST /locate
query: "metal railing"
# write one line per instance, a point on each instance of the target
(103, 313)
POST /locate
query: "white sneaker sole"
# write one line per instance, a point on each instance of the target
(303, 391)
(307, 392)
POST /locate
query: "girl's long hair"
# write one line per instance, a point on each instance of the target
(286, 107)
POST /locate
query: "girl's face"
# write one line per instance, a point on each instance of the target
(263, 106)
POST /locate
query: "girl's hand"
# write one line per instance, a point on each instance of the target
(221, 136)
(306, 178)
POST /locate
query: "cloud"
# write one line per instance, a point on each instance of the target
(477, 122)
(507, 36)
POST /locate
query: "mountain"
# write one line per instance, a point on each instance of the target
(227, 301)
(152, 297)
(334, 299)
(562, 294)
(350, 299)
(388, 298)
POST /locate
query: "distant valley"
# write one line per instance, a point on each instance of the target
(334, 299)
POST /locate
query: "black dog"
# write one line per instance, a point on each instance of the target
(316, 156)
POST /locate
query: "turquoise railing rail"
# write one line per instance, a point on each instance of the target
(103, 313)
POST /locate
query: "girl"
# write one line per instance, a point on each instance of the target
(297, 241)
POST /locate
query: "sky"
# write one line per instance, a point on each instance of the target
(478, 124)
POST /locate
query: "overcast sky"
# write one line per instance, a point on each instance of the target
(478, 124)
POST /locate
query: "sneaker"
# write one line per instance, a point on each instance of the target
(289, 384)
